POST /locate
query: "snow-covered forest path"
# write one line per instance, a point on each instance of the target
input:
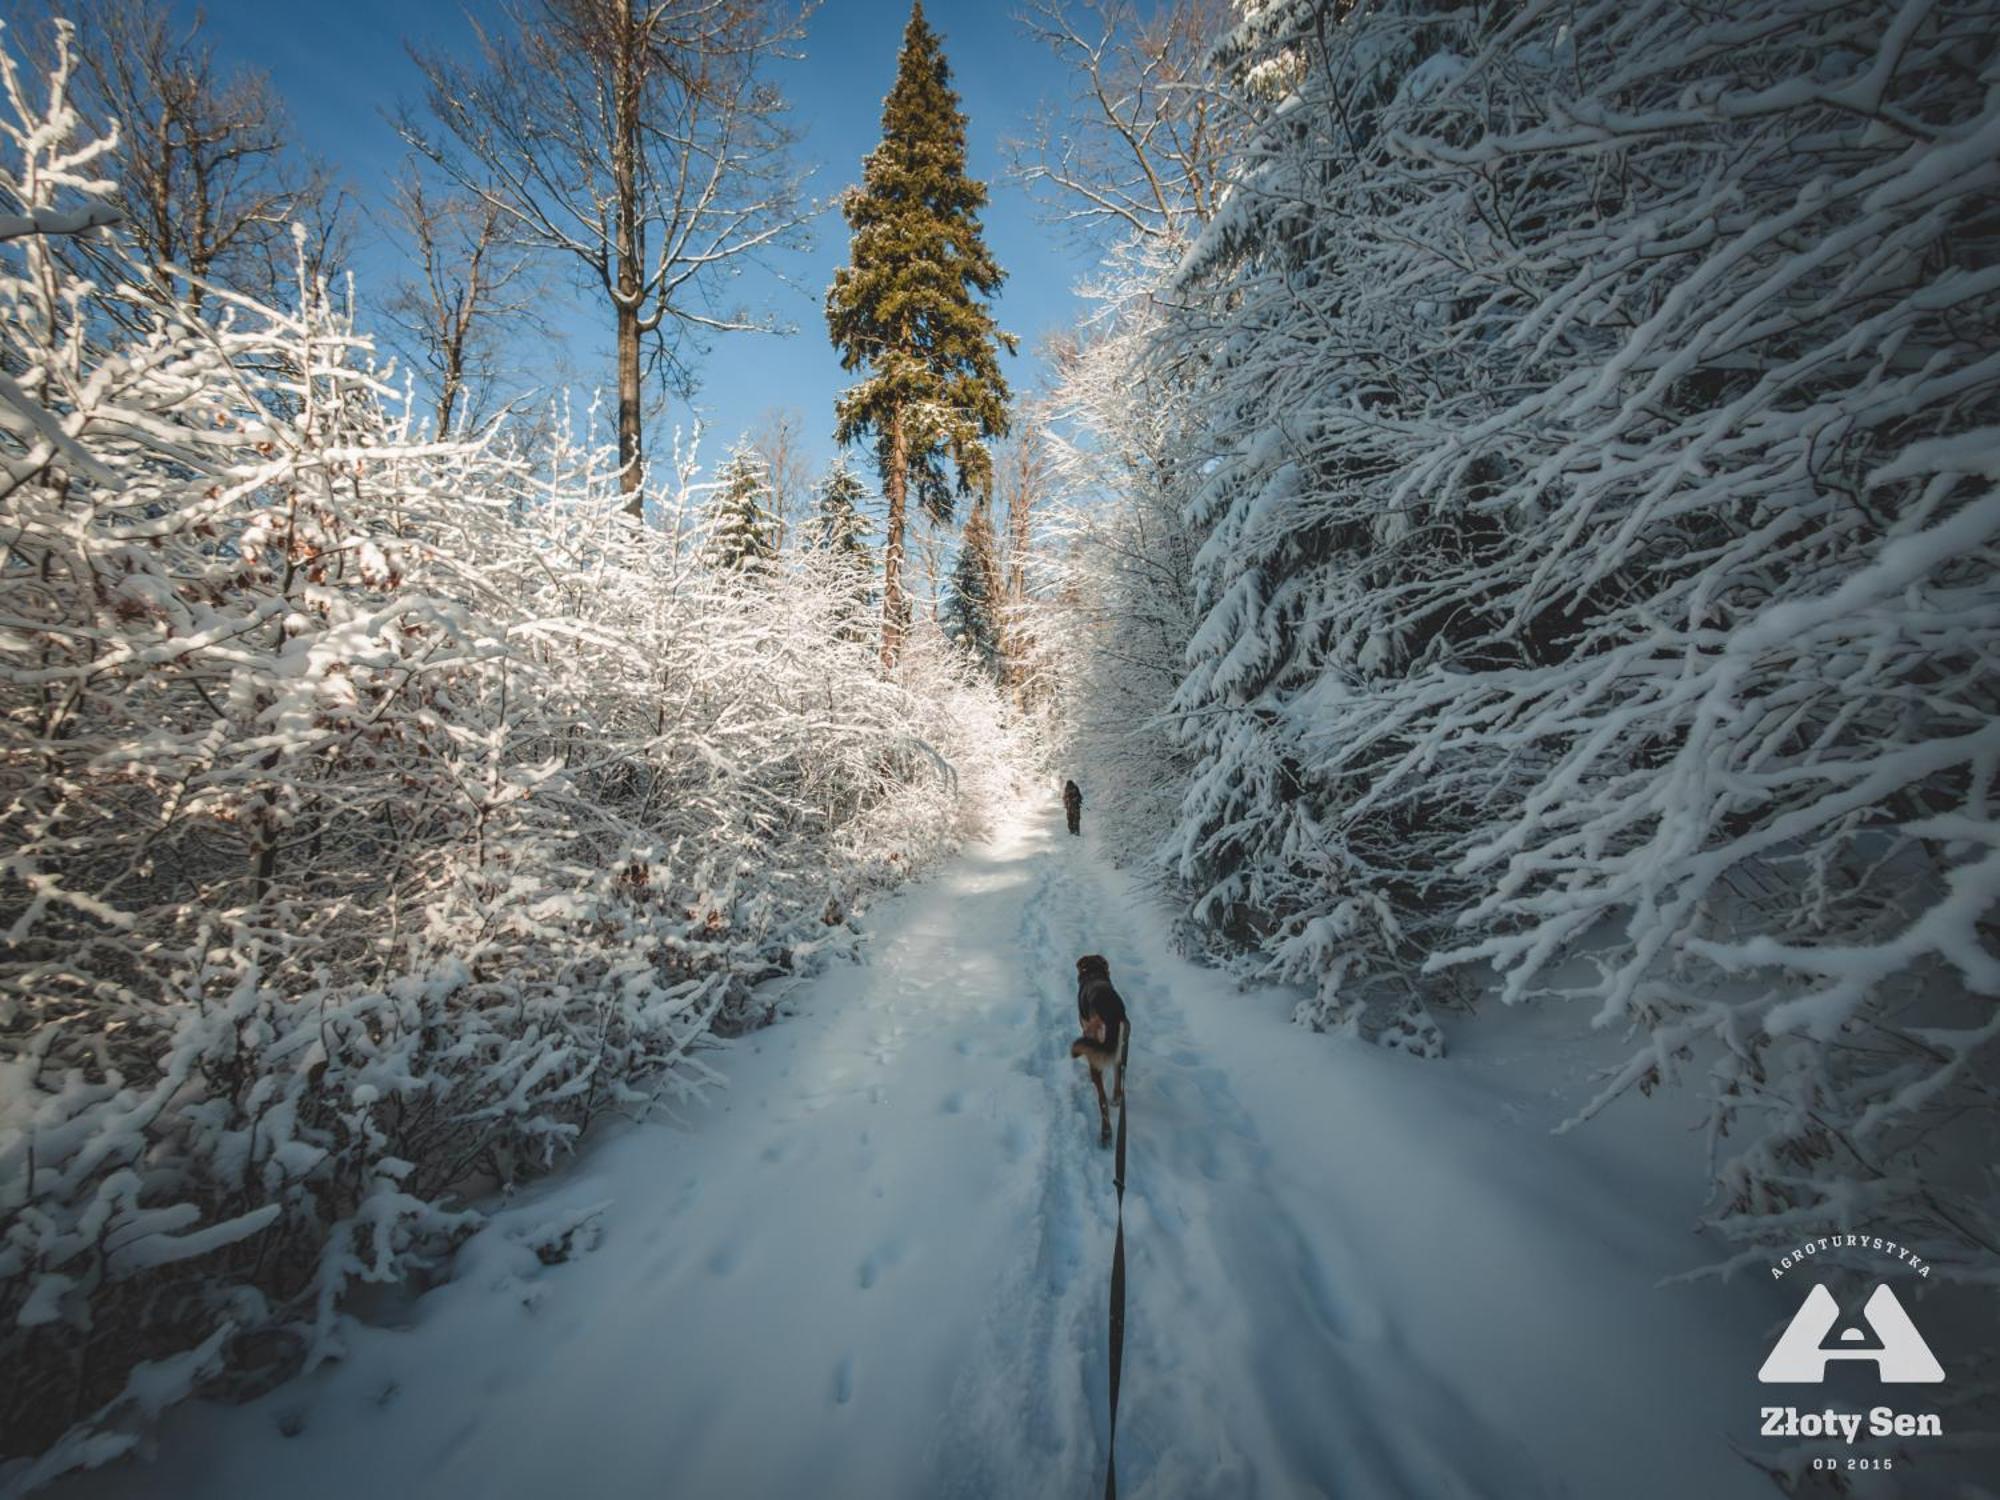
(877, 1265)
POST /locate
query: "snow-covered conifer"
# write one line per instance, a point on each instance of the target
(742, 527)
(836, 536)
(910, 309)
(972, 607)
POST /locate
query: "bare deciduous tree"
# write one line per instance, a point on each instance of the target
(1141, 146)
(1024, 479)
(466, 288)
(211, 183)
(640, 139)
(776, 440)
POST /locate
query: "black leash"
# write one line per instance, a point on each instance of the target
(1117, 1295)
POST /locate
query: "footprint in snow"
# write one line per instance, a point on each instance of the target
(723, 1259)
(1014, 1141)
(464, 1434)
(954, 1103)
(843, 1380)
(883, 1259)
(659, 1268)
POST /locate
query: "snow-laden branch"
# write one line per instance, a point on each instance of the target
(1594, 492)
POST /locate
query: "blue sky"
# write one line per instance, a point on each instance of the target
(340, 68)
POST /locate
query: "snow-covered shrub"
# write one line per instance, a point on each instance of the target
(732, 716)
(1596, 495)
(374, 814)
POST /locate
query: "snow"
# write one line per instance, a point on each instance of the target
(156, 1246)
(877, 1263)
(1570, 559)
(1468, 561)
(58, 221)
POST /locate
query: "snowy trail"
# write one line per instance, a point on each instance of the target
(878, 1266)
(1229, 1304)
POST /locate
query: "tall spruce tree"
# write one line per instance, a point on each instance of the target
(743, 529)
(909, 310)
(972, 612)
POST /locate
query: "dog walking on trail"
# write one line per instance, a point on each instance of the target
(1107, 1034)
(1073, 806)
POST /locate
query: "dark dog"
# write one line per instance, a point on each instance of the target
(1107, 1033)
(1073, 806)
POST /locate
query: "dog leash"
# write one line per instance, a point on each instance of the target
(1117, 1289)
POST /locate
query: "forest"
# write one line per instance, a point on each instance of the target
(1513, 535)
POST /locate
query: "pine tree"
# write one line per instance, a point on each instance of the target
(836, 537)
(972, 612)
(837, 525)
(909, 311)
(743, 530)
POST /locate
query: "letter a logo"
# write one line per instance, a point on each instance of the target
(1903, 1357)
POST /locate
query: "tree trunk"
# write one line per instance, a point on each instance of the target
(927, 548)
(464, 307)
(625, 157)
(629, 456)
(1018, 521)
(1013, 648)
(894, 483)
(448, 395)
